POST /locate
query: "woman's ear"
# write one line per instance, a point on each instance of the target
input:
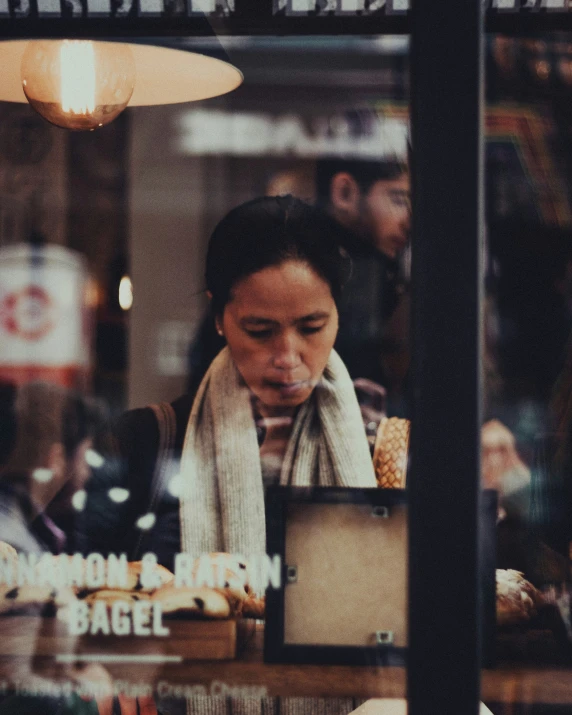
(218, 318)
(345, 197)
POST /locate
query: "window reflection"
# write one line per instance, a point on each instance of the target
(135, 205)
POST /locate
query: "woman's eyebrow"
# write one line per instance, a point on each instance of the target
(256, 320)
(318, 315)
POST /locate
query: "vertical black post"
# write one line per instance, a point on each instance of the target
(446, 90)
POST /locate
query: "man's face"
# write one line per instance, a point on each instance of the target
(386, 215)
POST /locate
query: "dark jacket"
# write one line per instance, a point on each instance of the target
(110, 526)
(368, 300)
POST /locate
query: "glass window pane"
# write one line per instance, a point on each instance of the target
(111, 300)
(527, 325)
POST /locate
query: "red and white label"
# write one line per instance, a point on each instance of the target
(27, 313)
(44, 333)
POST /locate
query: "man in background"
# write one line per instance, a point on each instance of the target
(371, 202)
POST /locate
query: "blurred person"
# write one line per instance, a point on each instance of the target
(520, 545)
(370, 200)
(52, 430)
(45, 432)
(529, 292)
(85, 427)
(503, 470)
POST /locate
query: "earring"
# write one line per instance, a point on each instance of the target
(219, 331)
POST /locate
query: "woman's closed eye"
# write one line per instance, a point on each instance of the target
(260, 334)
(311, 329)
(265, 333)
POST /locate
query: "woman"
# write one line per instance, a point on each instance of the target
(274, 274)
(276, 406)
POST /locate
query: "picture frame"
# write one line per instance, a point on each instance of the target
(296, 631)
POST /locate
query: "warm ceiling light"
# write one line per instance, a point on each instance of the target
(84, 84)
(78, 84)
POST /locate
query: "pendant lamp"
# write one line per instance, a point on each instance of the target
(84, 84)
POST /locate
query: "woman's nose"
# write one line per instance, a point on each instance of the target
(286, 353)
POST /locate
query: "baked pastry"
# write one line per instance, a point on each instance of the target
(61, 570)
(254, 607)
(237, 566)
(516, 598)
(147, 577)
(229, 572)
(8, 553)
(111, 595)
(234, 592)
(9, 557)
(390, 452)
(196, 602)
(17, 599)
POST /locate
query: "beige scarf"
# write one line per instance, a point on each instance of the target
(222, 501)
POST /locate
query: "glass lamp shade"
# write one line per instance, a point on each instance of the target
(78, 84)
(162, 75)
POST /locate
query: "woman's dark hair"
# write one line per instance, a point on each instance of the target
(266, 232)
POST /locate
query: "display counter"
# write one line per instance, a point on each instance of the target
(248, 675)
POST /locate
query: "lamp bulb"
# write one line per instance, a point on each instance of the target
(78, 84)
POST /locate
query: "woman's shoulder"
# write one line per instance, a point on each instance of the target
(182, 409)
(139, 427)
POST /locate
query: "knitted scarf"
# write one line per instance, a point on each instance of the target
(222, 501)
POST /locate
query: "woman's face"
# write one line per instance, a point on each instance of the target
(280, 325)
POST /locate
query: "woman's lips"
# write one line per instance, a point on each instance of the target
(287, 389)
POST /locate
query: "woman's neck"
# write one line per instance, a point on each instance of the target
(273, 411)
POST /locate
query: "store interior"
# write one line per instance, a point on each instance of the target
(138, 199)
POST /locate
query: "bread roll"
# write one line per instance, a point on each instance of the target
(390, 453)
(516, 598)
(202, 602)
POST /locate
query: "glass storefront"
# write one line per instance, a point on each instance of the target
(284, 358)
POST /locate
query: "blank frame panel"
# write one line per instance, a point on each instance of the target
(346, 575)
